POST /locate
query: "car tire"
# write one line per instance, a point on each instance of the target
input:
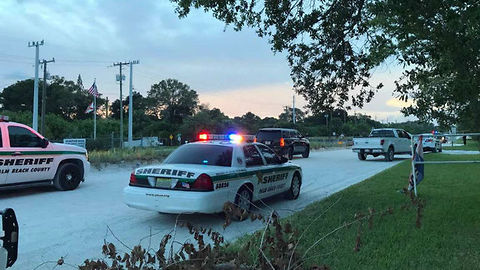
(244, 197)
(440, 149)
(294, 190)
(290, 153)
(434, 150)
(68, 177)
(390, 155)
(362, 156)
(306, 153)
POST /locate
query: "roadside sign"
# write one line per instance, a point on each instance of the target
(77, 142)
(171, 137)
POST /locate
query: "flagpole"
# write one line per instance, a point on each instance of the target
(95, 112)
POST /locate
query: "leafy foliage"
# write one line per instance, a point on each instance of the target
(334, 47)
(173, 100)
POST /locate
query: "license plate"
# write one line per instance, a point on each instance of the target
(268, 142)
(163, 182)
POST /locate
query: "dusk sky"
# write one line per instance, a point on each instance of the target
(234, 71)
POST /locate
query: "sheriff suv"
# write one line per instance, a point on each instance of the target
(29, 159)
(286, 142)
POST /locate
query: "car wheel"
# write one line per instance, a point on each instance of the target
(434, 150)
(362, 156)
(440, 149)
(389, 156)
(306, 153)
(68, 177)
(290, 153)
(294, 191)
(244, 198)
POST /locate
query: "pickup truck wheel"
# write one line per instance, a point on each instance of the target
(68, 177)
(290, 153)
(306, 153)
(294, 191)
(362, 156)
(389, 156)
(434, 150)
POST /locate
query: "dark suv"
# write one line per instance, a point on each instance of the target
(286, 142)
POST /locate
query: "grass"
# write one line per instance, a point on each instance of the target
(472, 145)
(97, 158)
(447, 238)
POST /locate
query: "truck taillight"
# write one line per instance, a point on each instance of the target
(255, 139)
(203, 182)
(382, 142)
(282, 142)
(133, 179)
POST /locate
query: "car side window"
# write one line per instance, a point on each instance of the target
(22, 137)
(252, 156)
(268, 154)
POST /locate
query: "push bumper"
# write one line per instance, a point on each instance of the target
(174, 201)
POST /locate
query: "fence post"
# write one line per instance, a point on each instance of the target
(111, 141)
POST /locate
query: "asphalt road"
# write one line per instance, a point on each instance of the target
(74, 224)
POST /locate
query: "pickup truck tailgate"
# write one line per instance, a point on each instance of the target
(367, 143)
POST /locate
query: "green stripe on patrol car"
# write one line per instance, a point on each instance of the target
(234, 176)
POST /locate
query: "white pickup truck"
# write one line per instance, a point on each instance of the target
(383, 141)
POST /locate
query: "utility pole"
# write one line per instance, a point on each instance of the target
(120, 64)
(44, 93)
(106, 108)
(130, 104)
(293, 110)
(35, 44)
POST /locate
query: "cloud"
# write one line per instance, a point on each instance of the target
(397, 103)
(262, 100)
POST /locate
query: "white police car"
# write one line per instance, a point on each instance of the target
(28, 159)
(200, 177)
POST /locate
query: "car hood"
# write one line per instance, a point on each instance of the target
(68, 147)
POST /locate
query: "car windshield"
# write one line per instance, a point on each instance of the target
(203, 154)
(381, 133)
(263, 135)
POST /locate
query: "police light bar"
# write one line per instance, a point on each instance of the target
(3, 118)
(233, 137)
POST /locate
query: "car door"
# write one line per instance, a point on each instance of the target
(300, 142)
(405, 141)
(254, 163)
(274, 176)
(4, 152)
(28, 161)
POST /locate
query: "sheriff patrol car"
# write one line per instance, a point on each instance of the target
(200, 177)
(29, 159)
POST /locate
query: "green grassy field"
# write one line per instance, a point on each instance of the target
(113, 156)
(448, 236)
(472, 145)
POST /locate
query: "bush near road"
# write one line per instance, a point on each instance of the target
(113, 156)
(448, 229)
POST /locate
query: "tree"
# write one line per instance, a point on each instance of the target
(287, 116)
(172, 100)
(64, 98)
(334, 46)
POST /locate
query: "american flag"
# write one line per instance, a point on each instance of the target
(89, 108)
(93, 90)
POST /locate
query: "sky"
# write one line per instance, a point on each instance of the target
(233, 71)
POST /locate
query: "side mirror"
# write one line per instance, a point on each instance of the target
(282, 159)
(44, 143)
(10, 238)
